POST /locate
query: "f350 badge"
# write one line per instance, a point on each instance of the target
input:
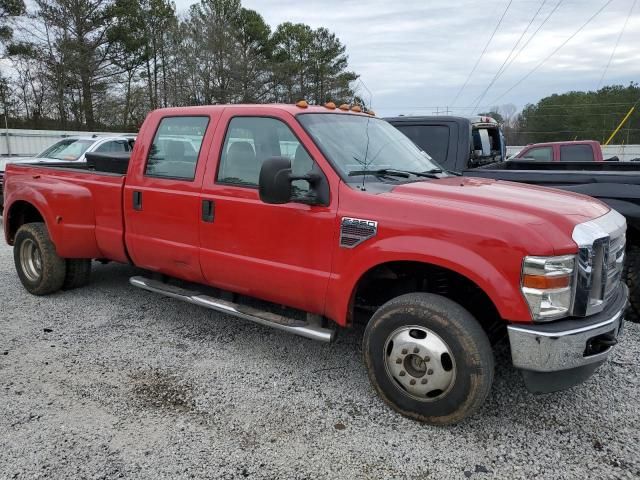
(354, 231)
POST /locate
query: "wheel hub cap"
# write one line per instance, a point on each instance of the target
(420, 363)
(31, 260)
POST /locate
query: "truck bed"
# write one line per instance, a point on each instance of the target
(94, 231)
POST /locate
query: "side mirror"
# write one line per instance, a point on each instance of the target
(274, 183)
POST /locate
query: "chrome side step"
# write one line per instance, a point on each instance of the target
(308, 329)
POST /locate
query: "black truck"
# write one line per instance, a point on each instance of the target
(453, 142)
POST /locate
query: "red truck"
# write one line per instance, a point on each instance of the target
(307, 218)
(574, 151)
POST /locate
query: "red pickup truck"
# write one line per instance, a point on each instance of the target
(574, 151)
(307, 218)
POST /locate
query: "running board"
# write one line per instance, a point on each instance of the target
(307, 329)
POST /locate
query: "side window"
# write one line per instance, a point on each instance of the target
(113, 146)
(175, 148)
(539, 154)
(433, 139)
(576, 153)
(252, 140)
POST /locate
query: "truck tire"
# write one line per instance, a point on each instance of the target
(631, 275)
(39, 267)
(428, 358)
(78, 273)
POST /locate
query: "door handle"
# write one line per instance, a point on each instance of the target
(137, 200)
(208, 211)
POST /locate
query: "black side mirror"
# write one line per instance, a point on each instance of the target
(274, 183)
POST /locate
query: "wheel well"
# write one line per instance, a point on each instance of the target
(389, 280)
(21, 212)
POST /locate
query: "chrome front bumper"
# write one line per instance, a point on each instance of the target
(567, 346)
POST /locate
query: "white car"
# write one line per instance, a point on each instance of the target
(72, 149)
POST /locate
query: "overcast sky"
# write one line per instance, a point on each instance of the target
(415, 55)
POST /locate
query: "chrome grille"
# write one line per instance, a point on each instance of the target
(614, 261)
(601, 244)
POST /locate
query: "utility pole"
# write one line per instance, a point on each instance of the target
(446, 111)
(3, 92)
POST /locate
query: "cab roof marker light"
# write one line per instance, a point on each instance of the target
(344, 107)
(302, 104)
(356, 108)
(330, 105)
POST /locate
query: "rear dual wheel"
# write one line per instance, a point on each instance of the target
(39, 267)
(428, 358)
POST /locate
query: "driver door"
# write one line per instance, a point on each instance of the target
(280, 253)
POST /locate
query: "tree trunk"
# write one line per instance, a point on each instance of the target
(87, 100)
(164, 75)
(152, 105)
(127, 100)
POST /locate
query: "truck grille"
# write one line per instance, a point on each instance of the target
(601, 245)
(614, 261)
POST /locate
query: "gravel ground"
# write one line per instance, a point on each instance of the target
(110, 381)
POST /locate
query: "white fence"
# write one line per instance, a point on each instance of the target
(623, 152)
(22, 142)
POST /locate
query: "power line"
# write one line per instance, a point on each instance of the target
(532, 71)
(531, 38)
(433, 107)
(617, 42)
(482, 54)
(495, 77)
(574, 131)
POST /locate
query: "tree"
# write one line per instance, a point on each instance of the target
(253, 49)
(310, 64)
(80, 35)
(291, 60)
(329, 68)
(9, 9)
(106, 63)
(211, 25)
(582, 116)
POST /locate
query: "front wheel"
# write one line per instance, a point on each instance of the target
(428, 358)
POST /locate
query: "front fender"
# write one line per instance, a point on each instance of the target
(499, 278)
(67, 209)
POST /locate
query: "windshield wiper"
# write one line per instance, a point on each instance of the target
(439, 170)
(392, 172)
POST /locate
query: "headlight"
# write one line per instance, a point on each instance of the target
(547, 284)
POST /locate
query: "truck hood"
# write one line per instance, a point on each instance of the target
(544, 208)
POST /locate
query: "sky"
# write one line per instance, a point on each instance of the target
(414, 56)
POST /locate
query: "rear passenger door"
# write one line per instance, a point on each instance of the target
(161, 197)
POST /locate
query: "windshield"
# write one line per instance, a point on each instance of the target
(68, 149)
(355, 143)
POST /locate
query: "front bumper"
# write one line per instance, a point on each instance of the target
(561, 354)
